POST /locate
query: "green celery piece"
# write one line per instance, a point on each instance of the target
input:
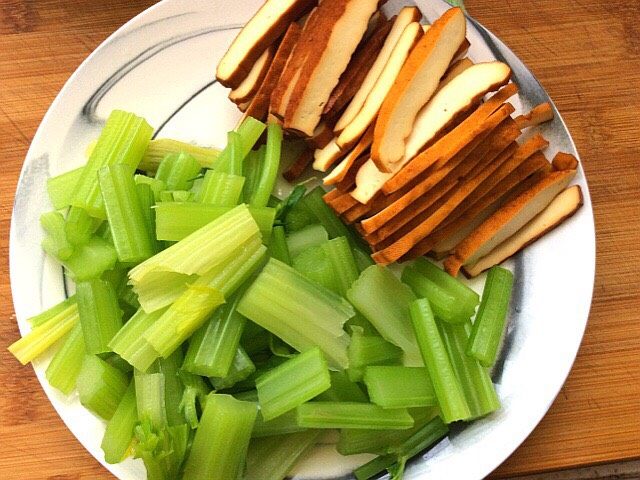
(340, 256)
(182, 196)
(129, 226)
(296, 381)
(308, 316)
(222, 189)
(130, 344)
(269, 172)
(91, 260)
(161, 289)
(248, 396)
(283, 424)
(314, 203)
(241, 369)
(117, 361)
(177, 171)
(194, 394)
(55, 242)
(220, 445)
(60, 188)
(455, 287)
(399, 387)
(278, 245)
(384, 301)
(53, 311)
(42, 337)
(352, 415)
(446, 385)
(166, 196)
(150, 398)
(311, 236)
(251, 172)
(314, 264)
(271, 458)
(365, 350)
(119, 432)
(64, 368)
(374, 467)
(173, 387)
(231, 158)
(124, 139)
(100, 314)
(342, 390)
(298, 216)
(177, 220)
(159, 148)
(101, 386)
(146, 198)
(157, 186)
(474, 378)
(362, 258)
(421, 439)
(489, 325)
(162, 450)
(79, 226)
(250, 130)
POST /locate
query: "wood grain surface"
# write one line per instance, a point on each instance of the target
(586, 54)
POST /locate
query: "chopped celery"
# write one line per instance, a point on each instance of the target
(310, 236)
(362, 258)
(241, 369)
(365, 350)
(374, 467)
(250, 130)
(314, 203)
(399, 387)
(489, 325)
(285, 423)
(131, 345)
(271, 458)
(307, 316)
(231, 158)
(146, 198)
(100, 314)
(252, 168)
(278, 245)
(124, 139)
(352, 415)
(296, 381)
(91, 259)
(60, 188)
(42, 337)
(157, 186)
(119, 432)
(269, 171)
(100, 386)
(421, 439)
(161, 289)
(79, 226)
(159, 148)
(222, 189)
(194, 394)
(446, 385)
(455, 287)
(133, 240)
(384, 301)
(342, 390)
(178, 171)
(64, 368)
(290, 202)
(150, 400)
(177, 220)
(173, 388)
(51, 312)
(314, 264)
(221, 441)
(340, 256)
(55, 242)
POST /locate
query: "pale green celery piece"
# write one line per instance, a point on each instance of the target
(52, 312)
(340, 256)
(310, 236)
(55, 242)
(222, 189)
(177, 171)
(173, 387)
(296, 381)
(314, 264)
(124, 139)
(119, 432)
(177, 220)
(272, 457)
(250, 130)
(232, 157)
(422, 438)
(446, 384)
(91, 260)
(130, 344)
(251, 171)
(150, 400)
(343, 390)
(182, 196)
(146, 197)
(100, 314)
(79, 226)
(384, 301)
(269, 173)
(161, 289)
(42, 337)
(241, 368)
(60, 188)
(365, 350)
(221, 441)
(194, 394)
(157, 186)
(399, 387)
(101, 386)
(314, 203)
(451, 284)
(307, 316)
(278, 245)
(159, 148)
(352, 415)
(65, 366)
(285, 423)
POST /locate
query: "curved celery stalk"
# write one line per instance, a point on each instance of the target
(55, 242)
(178, 171)
(64, 368)
(119, 432)
(61, 187)
(352, 415)
(101, 386)
(268, 175)
(100, 314)
(159, 148)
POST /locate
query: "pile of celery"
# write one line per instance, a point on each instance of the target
(219, 331)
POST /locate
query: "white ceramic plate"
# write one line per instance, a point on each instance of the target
(161, 65)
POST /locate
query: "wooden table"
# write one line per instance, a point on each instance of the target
(587, 55)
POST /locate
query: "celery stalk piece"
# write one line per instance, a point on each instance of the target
(129, 227)
(194, 394)
(271, 458)
(474, 378)
(269, 171)
(162, 451)
(342, 390)
(340, 256)
(314, 264)
(42, 337)
(91, 260)
(222, 189)
(352, 415)
(298, 311)
(55, 242)
(399, 387)
(365, 350)
(314, 203)
(79, 226)
(146, 198)
(362, 258)
(173, 387)
(51, 312)
(446, 385)
(278, 245)
(250, 130)
(100, 314)
(177, 220)
(64, 368)
(241, 369)
(178, 171)
(310, 236)
(374, 467)
(384, 301)
(220, 445)
(159, 148)
(489, 325)
(231, 158)
(455, 287)
(283, 424)
(130, 344)
(248, 396)
(446, 305)
(150, 400)
(124, 139)
(296, 381)
(161, 289)
(252, 168)
(166, 196)
(157, 186)
(421, 439)
(60, 188)
(119, 432)
(101, 386)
